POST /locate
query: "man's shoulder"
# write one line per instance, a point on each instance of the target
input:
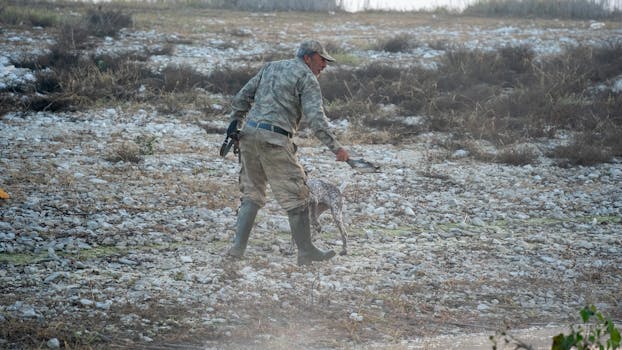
(291, 65)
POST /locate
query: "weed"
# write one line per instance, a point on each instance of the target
(146, 144)
(585, 149)
(597, 332)
(126, 152)
(518, 156)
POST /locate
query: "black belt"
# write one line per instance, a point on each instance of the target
(270, 127)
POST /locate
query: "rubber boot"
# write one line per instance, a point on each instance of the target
(301, 231)
(246, 218)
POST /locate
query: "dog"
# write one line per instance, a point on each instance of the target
(324, 196)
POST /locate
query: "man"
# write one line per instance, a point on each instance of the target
(271, 105)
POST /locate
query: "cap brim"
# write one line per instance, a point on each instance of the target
(327, 57)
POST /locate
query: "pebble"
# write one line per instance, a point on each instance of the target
(53, 343)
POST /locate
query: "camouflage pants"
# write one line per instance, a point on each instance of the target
(270, 158)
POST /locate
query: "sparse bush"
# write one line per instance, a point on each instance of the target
(71, 37)
(113, 62)
(333, 47)
(126, 152)
(378, 83)
(182, 78)
(503, 96)
(43, 19)
(146, 144)
(176, 102)
(586, 149)
(518, 155)
(506, 67)
(350, 109)
(54, 102)
(229, 81)
(398, 43)
(106, 22)
(47, 82)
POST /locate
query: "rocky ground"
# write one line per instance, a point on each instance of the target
(96, 253)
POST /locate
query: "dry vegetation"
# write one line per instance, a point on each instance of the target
(506, 96)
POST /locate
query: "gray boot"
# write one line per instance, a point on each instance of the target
(246, 218)
(301, 231)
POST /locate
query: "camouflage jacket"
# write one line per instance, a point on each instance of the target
(280, 94)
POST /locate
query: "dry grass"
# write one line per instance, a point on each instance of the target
(585, 149)
(398, 43)
(569, 9)
(101, 330)
(504, 95)
(23, 16)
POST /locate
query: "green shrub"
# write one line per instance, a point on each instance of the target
(594, 331)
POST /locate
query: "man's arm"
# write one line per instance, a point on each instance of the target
(313, 110)
(243, 100)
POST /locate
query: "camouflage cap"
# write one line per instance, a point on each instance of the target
(310, 46)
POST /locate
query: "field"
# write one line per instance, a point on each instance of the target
(498, 204)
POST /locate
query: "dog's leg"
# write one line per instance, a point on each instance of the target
(338, 216)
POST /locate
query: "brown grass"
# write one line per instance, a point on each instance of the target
(398, 43)
(504, 95)
(585, 149)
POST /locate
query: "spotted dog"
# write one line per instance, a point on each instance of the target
(326, 196)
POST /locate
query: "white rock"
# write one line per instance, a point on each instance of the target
(408, 211)
(53, 343)
(356, 317)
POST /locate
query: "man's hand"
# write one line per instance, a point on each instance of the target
(342, 155)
